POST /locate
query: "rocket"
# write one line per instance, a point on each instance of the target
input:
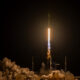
(49, 46)
(49, 58)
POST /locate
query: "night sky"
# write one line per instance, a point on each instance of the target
(25, 32)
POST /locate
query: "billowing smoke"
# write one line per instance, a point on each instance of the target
(10, 71)
(58, 75)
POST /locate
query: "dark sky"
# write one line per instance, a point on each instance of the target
(25, 32)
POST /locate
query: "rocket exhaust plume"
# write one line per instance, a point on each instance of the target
(48, 53)
(48, 38)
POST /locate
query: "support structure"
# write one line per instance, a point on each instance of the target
(65, 63)
(32, 63)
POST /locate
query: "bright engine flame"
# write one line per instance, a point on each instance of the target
(48, 38)
(48, 53)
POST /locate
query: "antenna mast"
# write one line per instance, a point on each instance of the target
(65, 63)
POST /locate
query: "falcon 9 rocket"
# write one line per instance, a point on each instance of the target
(49, 58)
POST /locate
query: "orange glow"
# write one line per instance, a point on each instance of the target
(48, 34)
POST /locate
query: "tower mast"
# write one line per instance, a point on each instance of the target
(32, 63)
(65, 63)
